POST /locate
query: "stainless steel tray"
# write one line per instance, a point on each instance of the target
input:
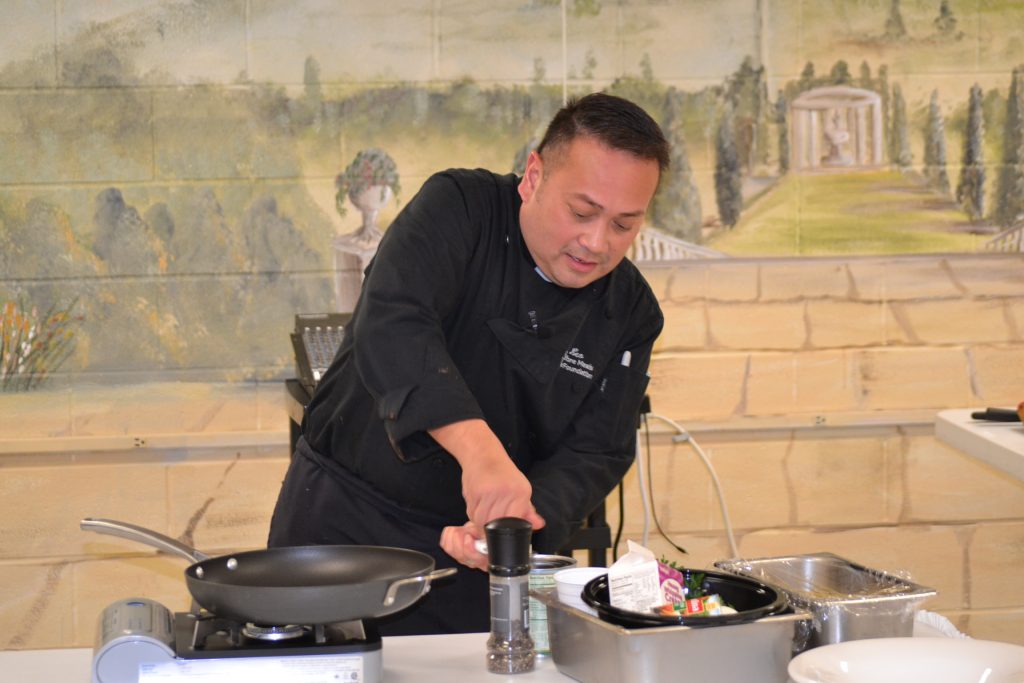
(594, 651)
(848, 601)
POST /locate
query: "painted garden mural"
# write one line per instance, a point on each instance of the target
(176, 176)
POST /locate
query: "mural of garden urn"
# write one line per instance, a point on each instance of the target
(369, 182)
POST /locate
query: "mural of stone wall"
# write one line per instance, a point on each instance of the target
(168, 166)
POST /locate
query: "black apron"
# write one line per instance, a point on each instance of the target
(321, 504)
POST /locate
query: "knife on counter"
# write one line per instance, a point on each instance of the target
(997, 415)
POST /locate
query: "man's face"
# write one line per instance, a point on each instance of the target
(582, 208)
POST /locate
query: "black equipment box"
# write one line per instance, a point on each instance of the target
(316, 339)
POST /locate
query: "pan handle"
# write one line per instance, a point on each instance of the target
(389, 597)
(142, 535)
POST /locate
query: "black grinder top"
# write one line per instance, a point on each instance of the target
(508, 546)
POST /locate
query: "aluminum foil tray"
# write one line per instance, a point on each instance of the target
(847, 601)
(594, 651)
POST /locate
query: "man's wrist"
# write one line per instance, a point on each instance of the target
(470, 442)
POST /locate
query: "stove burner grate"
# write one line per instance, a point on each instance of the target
(274, 633)
(206, 636)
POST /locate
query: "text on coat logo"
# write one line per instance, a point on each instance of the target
(572, 360)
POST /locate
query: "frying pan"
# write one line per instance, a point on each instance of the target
(319, 584)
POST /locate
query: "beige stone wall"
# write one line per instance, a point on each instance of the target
(55, 579)
(803, 338)
(811, 384)
(814, 384)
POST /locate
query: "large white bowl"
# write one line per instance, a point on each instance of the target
(909, 660)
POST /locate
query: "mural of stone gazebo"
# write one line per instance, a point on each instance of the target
(836, 127)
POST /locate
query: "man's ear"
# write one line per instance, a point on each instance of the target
(531, 176)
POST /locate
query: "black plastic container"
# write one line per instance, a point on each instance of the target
(751, 600)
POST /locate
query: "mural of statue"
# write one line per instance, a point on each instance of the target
(838, 137)
(369, 183)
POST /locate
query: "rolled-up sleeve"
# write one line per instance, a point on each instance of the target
(414, 281)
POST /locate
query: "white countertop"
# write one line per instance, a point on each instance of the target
(1000, 444)
(407, 659)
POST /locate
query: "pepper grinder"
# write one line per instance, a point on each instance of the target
(509, 647)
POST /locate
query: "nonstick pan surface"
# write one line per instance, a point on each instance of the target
(298, 585)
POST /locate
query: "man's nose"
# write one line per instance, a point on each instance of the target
(595, 237)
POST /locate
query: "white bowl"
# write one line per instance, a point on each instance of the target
(905, 660)
(569, 585)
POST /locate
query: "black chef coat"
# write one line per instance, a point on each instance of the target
(454, 323)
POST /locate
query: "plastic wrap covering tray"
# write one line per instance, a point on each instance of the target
(594, 651)
(847, 601)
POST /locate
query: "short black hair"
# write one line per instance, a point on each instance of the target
(614, 121)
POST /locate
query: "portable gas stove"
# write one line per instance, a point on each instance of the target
(141, 641)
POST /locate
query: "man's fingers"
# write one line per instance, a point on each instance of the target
(459, 542)
(535, 520)
(482, 516)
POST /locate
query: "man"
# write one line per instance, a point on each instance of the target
(494, 365)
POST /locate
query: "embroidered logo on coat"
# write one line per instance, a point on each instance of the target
(572, 360)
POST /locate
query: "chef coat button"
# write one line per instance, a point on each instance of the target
(608, 313)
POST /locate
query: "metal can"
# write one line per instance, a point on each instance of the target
(542, 577)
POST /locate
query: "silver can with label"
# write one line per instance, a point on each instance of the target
(542, 577)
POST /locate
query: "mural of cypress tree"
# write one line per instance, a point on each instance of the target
(807, 78)
(894, 26)
(728, 183)
(865, 76)
(901, 155)
(1009, 204)
(945, 23)
(935, 147)
(840, 74)
(783, 125)
(885, 92)
(749, 101)
(970, 190)
(676, 207)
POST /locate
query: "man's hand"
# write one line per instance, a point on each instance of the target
(491, 484)
(460, 543)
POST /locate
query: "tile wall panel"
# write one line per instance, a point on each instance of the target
(224, 506)
(165, 43)
(99, 583)
(59, 497)
(97, 144)
(783, 280)
(359, 40)
(996, 558)
(28, 52)
(794, 383)
(698, 386)
(944, 484)
(37, 605)
(998, 373)
(766, 326)
(839, 324)
(894, 379)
